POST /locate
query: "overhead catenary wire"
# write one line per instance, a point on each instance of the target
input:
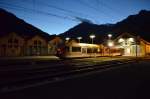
(24, 14)
(29, 10)
(96, 8)
(101, 3)
(71, 12)
(92, 7)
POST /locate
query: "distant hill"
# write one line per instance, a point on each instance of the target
(10, 23)
(138, 24)
(84, 29)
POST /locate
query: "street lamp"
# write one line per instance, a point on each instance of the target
(121, 40)
(92, 37)
(79, 38)
(109, 36)
(67, 38)
(110, 44)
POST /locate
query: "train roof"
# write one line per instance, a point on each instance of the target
(83, 44)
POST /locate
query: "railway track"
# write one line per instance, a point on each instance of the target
(18, 79)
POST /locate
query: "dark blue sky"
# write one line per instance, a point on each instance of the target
(57, 16)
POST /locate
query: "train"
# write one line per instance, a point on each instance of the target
(79, 50)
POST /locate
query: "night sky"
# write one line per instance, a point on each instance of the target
(57, 16)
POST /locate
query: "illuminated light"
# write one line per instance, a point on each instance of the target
(67, 38)
(109, 35)
(90, 45)
(82, 44)
(128, 50)
(92, 36)
(121, 40)
(131, 40)
(79, 38)
(110, 44)
(98, 50)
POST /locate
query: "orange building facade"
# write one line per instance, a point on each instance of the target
(16, 45)
(12, 45)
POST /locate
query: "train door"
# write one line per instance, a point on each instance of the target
(84, 50)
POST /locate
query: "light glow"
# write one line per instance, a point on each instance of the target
(121, 40)
(110, 44)
(92, 36)
(85, 45)
(79, 38)
(109, 35)
(131, 39)
(67, 38)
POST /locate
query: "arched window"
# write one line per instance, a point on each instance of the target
(16, 41)
(37, 47)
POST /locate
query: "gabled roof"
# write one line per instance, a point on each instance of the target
(26, 37)
(125, 35)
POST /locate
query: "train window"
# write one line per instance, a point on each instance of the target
(89, 50)
(95, 50)
(76, 49)
(83, 50)
(92, 50)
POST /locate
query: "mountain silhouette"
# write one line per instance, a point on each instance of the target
(85, 29)
(10, 23)
(138, 24)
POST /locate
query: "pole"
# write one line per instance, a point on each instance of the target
(136, 50)
(92, 47)
(109, 51)
(136, 47)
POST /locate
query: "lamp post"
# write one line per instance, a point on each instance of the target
(92, 37)
(110, 43)
(137, 40)
(79, 38)
(67, 39)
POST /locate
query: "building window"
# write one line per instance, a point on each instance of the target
(16, 46)
(37, 47)
(10, 40)
(15, 41)
(95, 50)
(10, 46)
(35, 42)
(3, 46)
(39, 42)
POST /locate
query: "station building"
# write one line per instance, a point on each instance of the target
(129, 45)
(125, 44)
(14, 44)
